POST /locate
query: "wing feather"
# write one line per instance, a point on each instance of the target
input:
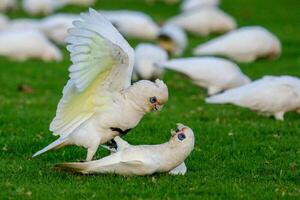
(102, 63)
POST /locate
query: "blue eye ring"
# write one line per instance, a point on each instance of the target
(181, 136)
(153, 99)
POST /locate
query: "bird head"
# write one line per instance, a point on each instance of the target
(183, 136)
(150, 95)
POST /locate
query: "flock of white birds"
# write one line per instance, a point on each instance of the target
(99, 102)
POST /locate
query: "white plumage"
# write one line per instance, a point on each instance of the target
(24, 44)
(194, 4)
(56, 26)
(270, 95)
(45, 7)
(133, 24)
(4, 21)
(143, 159)
(204, 21)
(23, 23)
(145, 57)
(243, 45)
(173, 39)
(79, 2)
(215, 74)
(6, 5)
(99, 101)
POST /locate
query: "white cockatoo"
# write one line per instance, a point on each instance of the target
(23, 23)
(27, 43)
(79, 2)
(44, 7)
(118, 144)
(133, 24)
(271, 96)
(7, 5)
(215, 74)
(195, 4)
(4, 21)
(142, 159)
(204, 21)
(173, 39)
(56, 26)
(243, 45)
(145, 56)
(99, 101)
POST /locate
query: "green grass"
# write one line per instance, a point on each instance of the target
(238, 154)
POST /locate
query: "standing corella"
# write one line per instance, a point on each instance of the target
(142, 159)
(56, 26)
(194, 4)
(145, 56)
(173, 39)
(22, 44)
(99, 101)
(133, 24)
(243, 45)
(271, 96)
(215, 74)
(204, 21)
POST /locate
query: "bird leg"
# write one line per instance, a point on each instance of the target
(120, 131)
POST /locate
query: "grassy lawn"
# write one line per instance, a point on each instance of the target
(238, 154)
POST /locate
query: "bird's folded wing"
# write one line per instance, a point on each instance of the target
(102, 63)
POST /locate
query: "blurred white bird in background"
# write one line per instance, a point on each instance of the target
(7, 5)
(173, 39)
(27, 43)
(44, 7)
(56, 26)
(133, 24)
(23, 23)
(271, 96)
(243, 45)
(195, 4)
(142, 159)
(215, 74)
(204, 21)
(79, 2)
(145, 56)
(4, 21)
(99, 101)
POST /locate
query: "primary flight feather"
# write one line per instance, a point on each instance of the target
(99, 101)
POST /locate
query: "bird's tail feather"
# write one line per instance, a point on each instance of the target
(219, 98)
(73, 167)
(60, 142)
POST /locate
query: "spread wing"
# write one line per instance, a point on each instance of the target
(102, 63)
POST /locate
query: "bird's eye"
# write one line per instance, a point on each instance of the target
(152, 99)
(181, 136)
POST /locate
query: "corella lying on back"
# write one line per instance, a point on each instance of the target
(215, 74)
(271, 96)
(142, 159)
(99, 101)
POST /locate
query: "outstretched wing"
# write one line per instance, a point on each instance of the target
(102, 63)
